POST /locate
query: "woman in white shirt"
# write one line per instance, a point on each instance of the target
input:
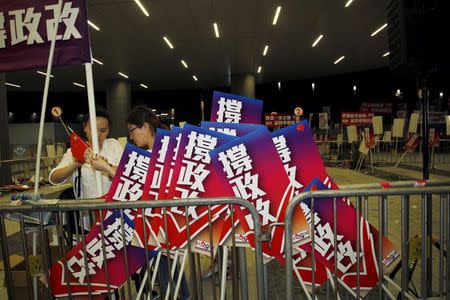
(106, 162)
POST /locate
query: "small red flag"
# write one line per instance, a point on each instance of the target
(78, 147)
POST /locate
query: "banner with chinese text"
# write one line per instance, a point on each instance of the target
(383, 108)
(77, 260)
(346, 233)
(302, 161)
(195, 177)
(356, 118)
(246, 166)
(229, 108)
(274, 120)
(165, 180)
(26, 29)
(128, 183)
(152, 185)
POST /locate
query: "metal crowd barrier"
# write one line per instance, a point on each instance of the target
(341, 153)
(198, 288)
(389, 195)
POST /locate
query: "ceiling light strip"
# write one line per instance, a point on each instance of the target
(45, 74)
(168, 42)
(142, 7)
(195, 77)
(144, 86)
(379, 29)
(216, 30)
(93, 25)
(123, 75)
(78, 84)
(12, 84)
(317, 40)
(184, 64)
(266, 48)
(348, 3)
(277, 14)
(339, 59)
(386, 54)
(259, 69)
(97, 61)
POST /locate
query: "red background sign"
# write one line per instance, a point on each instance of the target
(280, 120)
(356, 118)
(383, 108)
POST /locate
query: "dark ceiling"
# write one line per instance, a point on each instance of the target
(132, 43)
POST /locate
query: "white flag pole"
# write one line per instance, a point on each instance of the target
(42, 121)
(93, 121)
(223, 280)
(45, 96)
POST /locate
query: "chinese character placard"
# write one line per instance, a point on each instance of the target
(194, 177)
(252, 169)
(229, 108)
(26, 30)
(97, 262)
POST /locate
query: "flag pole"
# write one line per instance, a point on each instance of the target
(93, 121)
(45, 96)
(41, 123)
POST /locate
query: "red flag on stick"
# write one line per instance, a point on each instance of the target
(78, 147)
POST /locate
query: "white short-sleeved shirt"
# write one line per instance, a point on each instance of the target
(111, 150)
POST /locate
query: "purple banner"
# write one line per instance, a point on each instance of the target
(229, 108)
(26, 28)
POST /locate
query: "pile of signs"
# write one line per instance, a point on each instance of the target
(231, 156)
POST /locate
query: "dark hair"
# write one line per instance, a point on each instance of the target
(141, 114)
(99, 114)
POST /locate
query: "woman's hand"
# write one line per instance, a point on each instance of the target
(101, 164)
(88, 155)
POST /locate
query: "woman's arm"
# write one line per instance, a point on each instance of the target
(61, 174)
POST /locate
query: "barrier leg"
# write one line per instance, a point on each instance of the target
(224, 273)
(180, 276)
(243, 273)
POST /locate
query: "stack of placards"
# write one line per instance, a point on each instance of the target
(234, 156)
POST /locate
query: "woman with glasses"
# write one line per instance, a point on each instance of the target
(142, 125)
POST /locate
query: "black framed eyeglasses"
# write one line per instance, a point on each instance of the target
(130, 131)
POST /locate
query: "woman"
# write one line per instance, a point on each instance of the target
(84, 172)
(142, 125)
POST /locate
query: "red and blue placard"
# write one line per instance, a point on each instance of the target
(78, 260)
(195, 177)
(26, 29)
(247, 166)
(347, 256)
(128, 184)
(229, 108)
